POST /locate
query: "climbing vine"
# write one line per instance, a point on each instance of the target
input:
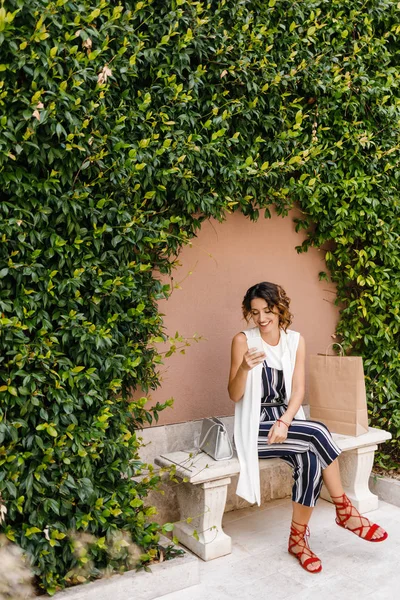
(123, 127)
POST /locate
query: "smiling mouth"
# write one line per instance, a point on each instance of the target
(265, 324)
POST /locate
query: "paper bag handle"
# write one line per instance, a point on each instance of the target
(334, 344)
(340, 356)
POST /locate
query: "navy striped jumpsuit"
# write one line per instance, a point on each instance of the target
(309, 447)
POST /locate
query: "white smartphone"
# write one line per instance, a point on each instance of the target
(257, 343)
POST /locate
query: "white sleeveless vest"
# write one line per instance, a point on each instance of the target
(247, 415)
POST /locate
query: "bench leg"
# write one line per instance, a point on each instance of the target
(204, 504)
(355, 469)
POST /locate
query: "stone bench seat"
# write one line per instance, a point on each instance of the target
(202, 496)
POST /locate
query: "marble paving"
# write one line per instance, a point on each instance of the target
(260, 566)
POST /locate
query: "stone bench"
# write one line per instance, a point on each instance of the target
(202, 497)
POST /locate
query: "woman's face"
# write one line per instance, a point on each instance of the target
(266, 320)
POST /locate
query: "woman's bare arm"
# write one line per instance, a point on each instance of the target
(242, 361)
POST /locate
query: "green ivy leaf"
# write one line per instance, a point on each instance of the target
(31, 530)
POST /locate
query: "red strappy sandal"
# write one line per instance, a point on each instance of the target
(342, 505)
(302, 541)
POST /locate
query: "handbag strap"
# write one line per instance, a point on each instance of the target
(208, 433)
(223, 428)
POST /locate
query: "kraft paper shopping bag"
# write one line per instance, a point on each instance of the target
(337, 393)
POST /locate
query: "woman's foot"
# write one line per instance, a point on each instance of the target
(347, 516)
(298, 546)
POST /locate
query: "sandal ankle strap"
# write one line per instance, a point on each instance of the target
(303, 535)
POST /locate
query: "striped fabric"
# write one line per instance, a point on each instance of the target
(309, 447)
(272, 386)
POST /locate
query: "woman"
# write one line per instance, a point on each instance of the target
(266, 382)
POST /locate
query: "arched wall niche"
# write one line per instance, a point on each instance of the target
(214, 273)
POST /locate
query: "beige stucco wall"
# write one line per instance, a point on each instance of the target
(214, 273)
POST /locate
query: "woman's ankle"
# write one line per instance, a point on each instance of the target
(339, 496)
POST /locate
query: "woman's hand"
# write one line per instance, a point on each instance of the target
(278, 433)
(252, 358)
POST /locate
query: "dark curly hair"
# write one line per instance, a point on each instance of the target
(274, 295)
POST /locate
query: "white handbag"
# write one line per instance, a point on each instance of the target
(214, 439)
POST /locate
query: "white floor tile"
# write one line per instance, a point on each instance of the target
(233, 515)
(199, 592)
(388, 590)
(339, 587)
(277, 586)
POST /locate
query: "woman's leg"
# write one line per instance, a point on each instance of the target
(320, 440)
(345, 510)
(309, 449)
(298, 543)
(332, 480)
(301, 514)
(307, 475)
(304, 436)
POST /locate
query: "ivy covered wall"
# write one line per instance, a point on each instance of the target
(123, 126)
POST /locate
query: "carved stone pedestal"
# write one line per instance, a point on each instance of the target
(356, 466)
(355, 469)
(202, 502)
(204, 505)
